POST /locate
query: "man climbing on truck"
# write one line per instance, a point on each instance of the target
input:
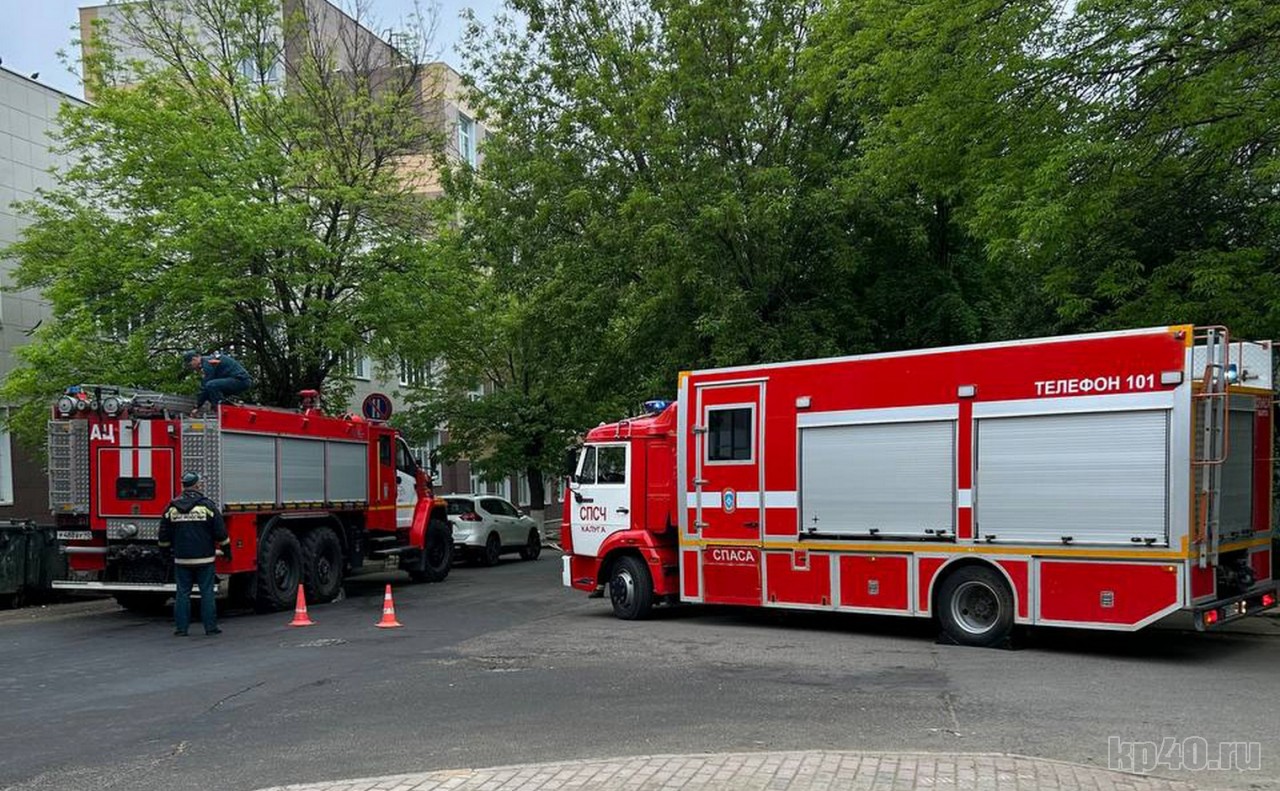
(221, 375)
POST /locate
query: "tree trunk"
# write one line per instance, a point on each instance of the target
(537, 497)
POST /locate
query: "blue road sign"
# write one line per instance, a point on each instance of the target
(376, 407)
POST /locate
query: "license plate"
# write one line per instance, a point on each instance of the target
(75, 535)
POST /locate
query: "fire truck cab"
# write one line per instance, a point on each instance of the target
(308, 498)
(1103, 481)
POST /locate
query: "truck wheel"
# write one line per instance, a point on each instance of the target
(492, 551)
(279, 570)
(533, 547)
(144, 603)
(975, 607)
(631, 589)
(435, 561)
(322, 564)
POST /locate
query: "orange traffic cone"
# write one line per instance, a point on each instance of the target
(388, 612)
(300, 617)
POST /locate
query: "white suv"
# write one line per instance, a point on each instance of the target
(485, 527)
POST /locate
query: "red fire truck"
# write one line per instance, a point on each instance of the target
(308, 498)
(1102, 481)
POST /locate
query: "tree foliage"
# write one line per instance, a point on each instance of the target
(677, 183)
(225, 191)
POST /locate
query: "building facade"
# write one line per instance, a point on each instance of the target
(28, 114)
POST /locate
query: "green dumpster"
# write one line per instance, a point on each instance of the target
(14, 541)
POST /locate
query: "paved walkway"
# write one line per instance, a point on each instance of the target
(780, 771)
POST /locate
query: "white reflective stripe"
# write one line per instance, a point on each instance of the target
(126, 450)
(144, 449)
(904, 414)
(777, 499)
(780, 500)
(964, 498)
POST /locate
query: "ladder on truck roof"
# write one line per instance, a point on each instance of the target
(1212, 413)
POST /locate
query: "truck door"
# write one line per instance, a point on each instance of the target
(601, 496)
(728, 463)
(406, 484)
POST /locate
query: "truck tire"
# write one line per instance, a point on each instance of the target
(975, 606)
(631, 589)
(533, 547)
(435, 561)
(279, 570)
(144, 603)
(322, 565)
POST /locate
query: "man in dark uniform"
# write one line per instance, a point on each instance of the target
(221, 375)
(192, 529)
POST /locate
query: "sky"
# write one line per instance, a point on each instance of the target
(32, 32)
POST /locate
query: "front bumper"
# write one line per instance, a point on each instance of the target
(94, 586)
(1215, 614)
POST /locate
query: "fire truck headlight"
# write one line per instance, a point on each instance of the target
(82, 405)
(66, 405)
(111, 404)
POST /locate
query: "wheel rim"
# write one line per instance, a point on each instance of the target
(975, 607)
(435, 553)
(324, 570)
(492, 547)
(622, 589)
(282, 573)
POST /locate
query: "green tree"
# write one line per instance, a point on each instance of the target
(226, 192)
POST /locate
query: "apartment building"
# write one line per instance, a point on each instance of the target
(28, 114)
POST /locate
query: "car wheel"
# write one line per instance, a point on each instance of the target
(437, 558)
(492, 549)
(279, 570)
(631, 589)
(533, 547)
(322, 565)
(975, 607)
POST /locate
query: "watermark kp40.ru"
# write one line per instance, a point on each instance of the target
(1193, 753)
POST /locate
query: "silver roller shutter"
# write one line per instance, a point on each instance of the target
(1236, 515)
(1101, 478)
(897, 479)
(348, 471)
(301, 470)
(248, 468)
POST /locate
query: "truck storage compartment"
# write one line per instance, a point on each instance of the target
(878, 479)
(1096, 478)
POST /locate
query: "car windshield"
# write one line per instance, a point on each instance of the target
(460, 507)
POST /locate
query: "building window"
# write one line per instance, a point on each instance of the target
(412, 375)
(525, 496)
(357, 365)
(6, 464)
(467, 140)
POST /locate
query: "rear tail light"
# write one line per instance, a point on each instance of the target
(471, 516)
(1268, 599)
(1210, 617)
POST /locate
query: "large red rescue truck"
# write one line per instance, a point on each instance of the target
(1102, 481)
(308, 498)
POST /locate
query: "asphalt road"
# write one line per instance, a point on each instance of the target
(500, 666)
